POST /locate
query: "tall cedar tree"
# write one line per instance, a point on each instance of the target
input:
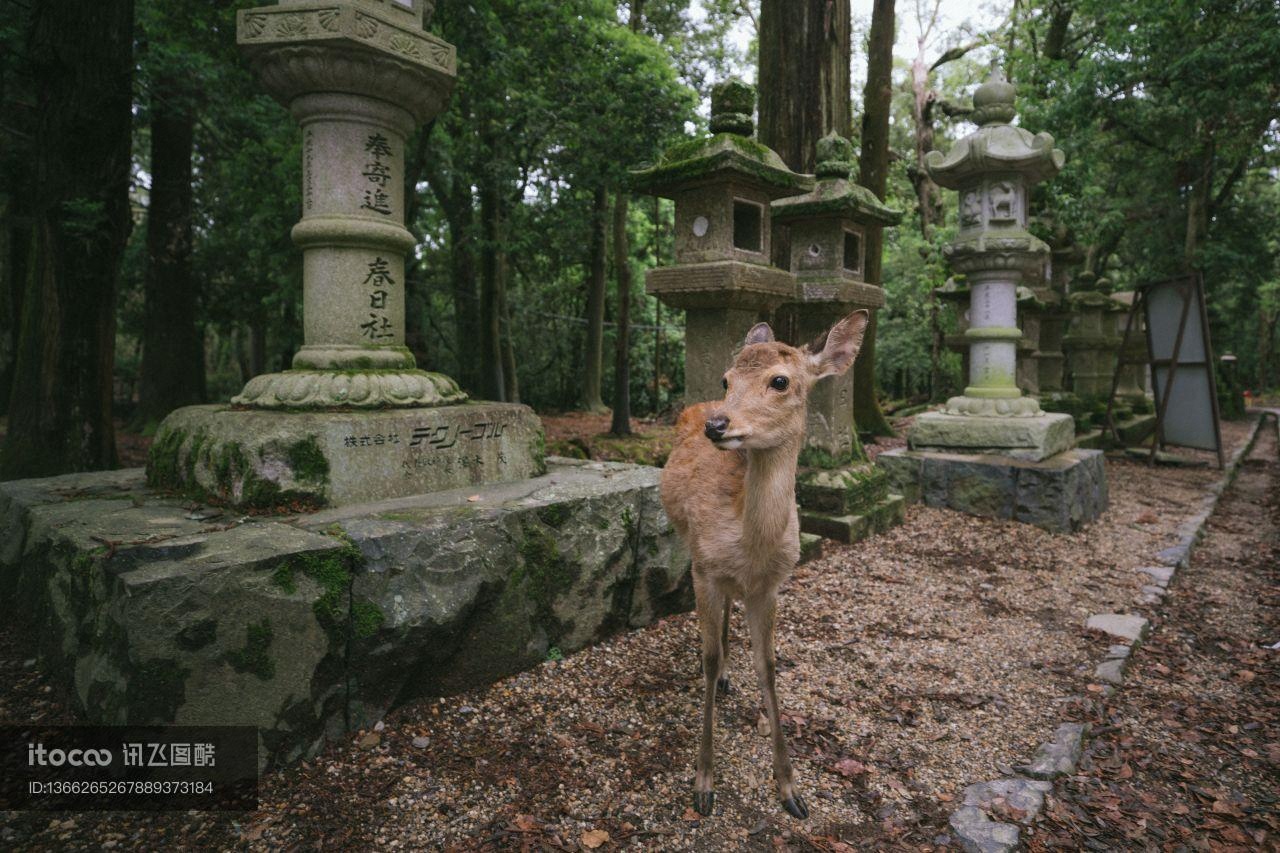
(172, 373)
(805, 54)
(876, 98)
(621, 424)
(81, 55)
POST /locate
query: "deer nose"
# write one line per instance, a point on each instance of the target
(716, 427)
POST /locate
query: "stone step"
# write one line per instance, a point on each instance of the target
(885, 515)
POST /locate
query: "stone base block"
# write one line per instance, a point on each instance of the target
(1060, 494)
(258, 459)
(1133, 432)
(810, 547)
(1030, 438)
(306, 626)
(882, 516)
(841, 491)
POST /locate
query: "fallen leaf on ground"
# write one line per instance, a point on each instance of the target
(593, 838)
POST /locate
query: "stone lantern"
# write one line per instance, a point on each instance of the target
(722, 186)
(354, 419)
(993, 170)
(828, 252)
(993, 451)
(1091, 342)
(841, 495)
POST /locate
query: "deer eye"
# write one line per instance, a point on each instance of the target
(778, 383)
(724, 383)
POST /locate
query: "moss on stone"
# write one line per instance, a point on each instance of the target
(555, 515)
(163, 459)
(155, 690)
(197, 635)
(309, 461)
(538, 452)
(543, 570)
(366, 619)
(338, 612)
(254, 657)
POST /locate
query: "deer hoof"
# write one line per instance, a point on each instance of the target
(723, 688)
(703, 802)
(795, 807)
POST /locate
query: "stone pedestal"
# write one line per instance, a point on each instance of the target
(258, 459)
(1060, 494)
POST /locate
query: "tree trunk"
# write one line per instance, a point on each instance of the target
(804, 85)
(511, 382)
(805, 55)
(492, 386)
(622, 363)
(172, 372)
(594, 350)
(60, 412)
(15, 242)
(874, 176)
(922, 111)
(466, 315)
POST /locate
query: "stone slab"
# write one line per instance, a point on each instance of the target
(1060, 494)
(1030, 438)
(1058, 757)
(306, 626)
(1024, 795)
(250, 458)
(1125, 626)
(977, 833)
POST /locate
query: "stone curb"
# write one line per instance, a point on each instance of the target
(1023, 795)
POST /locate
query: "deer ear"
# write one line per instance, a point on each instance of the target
(760, 334)
(843, 342)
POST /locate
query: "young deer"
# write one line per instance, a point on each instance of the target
(729, 488)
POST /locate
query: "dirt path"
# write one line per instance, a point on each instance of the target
(1187, 755)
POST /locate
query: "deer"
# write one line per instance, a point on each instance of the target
(729, 489)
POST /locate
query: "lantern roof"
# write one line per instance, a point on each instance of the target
(729, 152)
(996, 146)
(834, 193)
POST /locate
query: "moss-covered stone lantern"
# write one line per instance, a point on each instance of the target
(722, 185)
(353, 418)
(842, 496)
(829, 228)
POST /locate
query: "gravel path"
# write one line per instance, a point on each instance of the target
(910, 665)
(1187, 756)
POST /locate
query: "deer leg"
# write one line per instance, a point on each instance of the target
(710, 615)
(722, 682)
(761, 611)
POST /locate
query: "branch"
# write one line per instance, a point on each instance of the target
(956, 52)
(952, 109)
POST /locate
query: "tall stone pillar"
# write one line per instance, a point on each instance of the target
(993, 170)
(359, 76)
(722, 186)
(993, 451)
(354, 419)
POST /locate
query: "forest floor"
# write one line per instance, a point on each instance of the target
(933, 656)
